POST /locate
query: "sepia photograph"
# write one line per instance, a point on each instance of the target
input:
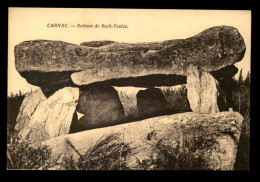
(128, 89)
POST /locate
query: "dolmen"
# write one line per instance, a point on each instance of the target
(77, 81)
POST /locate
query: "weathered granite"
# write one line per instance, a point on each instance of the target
(47, 118)
(211, 49)
(202, 91)
(151, 102)
(100, 106)
(218, 132)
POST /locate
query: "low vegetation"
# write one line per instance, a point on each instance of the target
(106, 154)
(241, 100)
(21, 155)
(14, 102)
(177, 98)
(188, 153)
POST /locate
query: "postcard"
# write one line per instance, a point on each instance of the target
(128, 89)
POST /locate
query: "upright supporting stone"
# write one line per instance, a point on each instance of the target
(100, 107)
(151, 102)
(47, 118)
(201, 90)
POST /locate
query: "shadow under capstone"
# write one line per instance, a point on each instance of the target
(49, 82)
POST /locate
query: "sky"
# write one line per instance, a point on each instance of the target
(144, 25)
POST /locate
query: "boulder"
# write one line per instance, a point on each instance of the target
(100, 106)
(40, 119)
(27, 109)
(211, 49)
(151, 102)
(210, 139)
(202, 91)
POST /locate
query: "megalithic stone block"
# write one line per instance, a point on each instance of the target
(151, 102)
(40, 118)
(202, 91)
(214, 136)
(211, 49)
(100, 107)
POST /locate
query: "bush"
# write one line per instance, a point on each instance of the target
(13, 105)
(21, 155)
(177, 99)
(106, 154)
(241, 98)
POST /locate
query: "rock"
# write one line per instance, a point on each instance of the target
(101, 107)
(211, 49)
(28, 107)
(40, 119)
(212, 138)
(49, 82)
(201, 91)
(151, 102)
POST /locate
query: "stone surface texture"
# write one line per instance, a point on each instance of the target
(202, 91)
(221, 129)
(47, 118)
(76, 94)
(28, 107)
(151, 102)
(101, 106)
(212, 49)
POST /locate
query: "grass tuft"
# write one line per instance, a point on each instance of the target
(106, 154)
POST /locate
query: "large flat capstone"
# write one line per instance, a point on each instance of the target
(212, 49)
